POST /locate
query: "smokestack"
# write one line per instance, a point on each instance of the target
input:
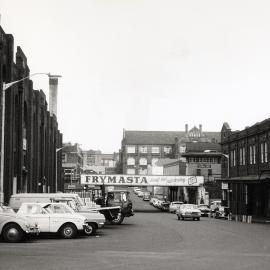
(186, 128)
(53, 82)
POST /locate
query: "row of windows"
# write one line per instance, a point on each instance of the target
(144, 149)
(203, 159)
(133, 171)
(142, 161)
(252, 155)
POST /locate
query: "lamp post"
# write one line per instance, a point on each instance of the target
(56, 151)
(4, 88)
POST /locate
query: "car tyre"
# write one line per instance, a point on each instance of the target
(90, 230)
(118, 220)
(178, 217)
(182, 218)
(68, 231)
(13, 233)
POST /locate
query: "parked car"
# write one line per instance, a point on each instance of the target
(188, 211)
(55, 218)
(174, 205)
(146, 196)
(205, 210)
(14, 228)
(140, 194)
(95, 220)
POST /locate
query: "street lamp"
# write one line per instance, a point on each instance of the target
(56, 151)
(5, 87)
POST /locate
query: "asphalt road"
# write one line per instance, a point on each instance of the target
(149, 240)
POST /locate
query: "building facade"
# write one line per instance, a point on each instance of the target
(246, 170)
(31, 134)
(72, 163)
(141, 150)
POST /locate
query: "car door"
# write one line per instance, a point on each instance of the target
(58, 216)
(40, 216)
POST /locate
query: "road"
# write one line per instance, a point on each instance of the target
(149, 240)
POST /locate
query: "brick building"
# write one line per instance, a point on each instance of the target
(246, 171)
(31, 134)
(141, 150)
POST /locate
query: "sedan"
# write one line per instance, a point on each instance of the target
(13, 228)
(188, 211)
(174, 205)
(54, 218)
(205, 210)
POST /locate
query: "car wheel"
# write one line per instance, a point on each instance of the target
(68, 231)
(178, 217)
(118, 220)
(12, 233)
(182, 218)
(90, 229)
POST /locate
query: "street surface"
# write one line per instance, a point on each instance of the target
(149, 240)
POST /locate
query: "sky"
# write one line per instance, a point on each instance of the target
(146, 64)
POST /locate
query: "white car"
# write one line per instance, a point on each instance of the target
(54, 218)
(13, 228)
(188, 211)
(174, 205)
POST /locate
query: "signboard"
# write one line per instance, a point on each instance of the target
(141, 180)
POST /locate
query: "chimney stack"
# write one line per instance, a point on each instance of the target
(53, 82)
(186, 128)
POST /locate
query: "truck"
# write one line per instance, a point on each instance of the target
(120, 198)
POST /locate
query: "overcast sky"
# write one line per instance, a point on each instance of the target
(146, 65)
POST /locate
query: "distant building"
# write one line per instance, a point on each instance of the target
(72, 163)
(246, 170)
(94, 161)
(140, 150)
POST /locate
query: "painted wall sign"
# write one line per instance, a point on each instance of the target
(141, 180)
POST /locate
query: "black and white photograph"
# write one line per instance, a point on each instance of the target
(134, 135)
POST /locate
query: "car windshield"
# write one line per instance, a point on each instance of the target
(189, 206)
(32, 209)
(59, 209)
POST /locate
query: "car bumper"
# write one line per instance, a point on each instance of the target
(32, 230)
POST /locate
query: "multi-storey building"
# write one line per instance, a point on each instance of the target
(72, 163)
(31, 134)
(202, 159)
(94, 161)
(246, 169)
(140, 150)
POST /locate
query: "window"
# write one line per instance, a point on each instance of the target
(198, 172)
(155, 150)
(209, 172)
(182, 148)
(130, 171)
(167, 149)
(143, 149)
(131, 149)
(131, 161)
(242, 156)
(143, 161)
(264, 152)
(233, 158)
(252, 154)
(143, 171)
